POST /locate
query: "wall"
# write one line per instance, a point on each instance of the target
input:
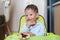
(18, 10)
(1, 8)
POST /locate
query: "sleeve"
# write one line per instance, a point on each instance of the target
(41, 30)
(25, 28)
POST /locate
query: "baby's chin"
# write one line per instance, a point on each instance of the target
(32, 22)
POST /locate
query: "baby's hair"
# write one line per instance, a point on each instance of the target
(33, 7)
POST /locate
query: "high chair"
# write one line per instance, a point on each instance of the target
(40, 19)
(16, 36)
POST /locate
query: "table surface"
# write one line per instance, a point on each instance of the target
(49, 37)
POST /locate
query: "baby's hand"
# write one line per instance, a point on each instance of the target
(31, 34)
(28, 24)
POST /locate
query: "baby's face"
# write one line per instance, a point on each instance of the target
(30, 15)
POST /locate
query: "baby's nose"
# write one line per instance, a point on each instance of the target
(29, 17)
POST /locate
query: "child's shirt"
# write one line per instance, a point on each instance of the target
(37, 29)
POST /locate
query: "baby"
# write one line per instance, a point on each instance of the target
(32, 26)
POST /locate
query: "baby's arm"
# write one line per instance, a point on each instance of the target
(25, 28)
(31, 34)
(41, 30)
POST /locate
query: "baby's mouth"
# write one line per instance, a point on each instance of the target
(29, 19)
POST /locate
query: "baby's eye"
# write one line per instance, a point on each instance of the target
(30, 14)
(26, 15)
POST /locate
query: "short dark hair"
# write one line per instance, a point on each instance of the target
(33, 7)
